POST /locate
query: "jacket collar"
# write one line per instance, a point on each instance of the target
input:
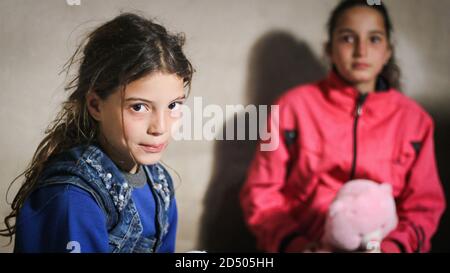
(337, 81)
(344, 96)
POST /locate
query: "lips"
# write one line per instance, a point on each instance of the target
(152, 148)
(360, 66)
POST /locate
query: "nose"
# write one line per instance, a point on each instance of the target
(361, 49)
(157, 124)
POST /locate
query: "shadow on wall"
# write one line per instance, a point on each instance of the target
(441, 241)
(277, 63)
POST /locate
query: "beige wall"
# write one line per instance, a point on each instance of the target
(245, 51)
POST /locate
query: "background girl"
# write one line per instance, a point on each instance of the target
(353, 124)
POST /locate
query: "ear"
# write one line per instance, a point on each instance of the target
(93, 104)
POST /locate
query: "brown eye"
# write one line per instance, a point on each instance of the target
(348, 39)
(138, 107)
(375, 39)
(175, 105)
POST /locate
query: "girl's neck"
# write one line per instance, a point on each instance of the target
(366, 87)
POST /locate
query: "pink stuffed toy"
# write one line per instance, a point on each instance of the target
(361, 215)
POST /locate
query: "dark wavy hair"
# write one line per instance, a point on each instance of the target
(391, 71)
(115, 54)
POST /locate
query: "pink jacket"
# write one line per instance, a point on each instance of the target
(330, 134)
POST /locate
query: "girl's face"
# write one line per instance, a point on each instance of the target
(360, 47)
(151, 105)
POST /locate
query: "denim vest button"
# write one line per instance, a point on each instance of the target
(108, 175)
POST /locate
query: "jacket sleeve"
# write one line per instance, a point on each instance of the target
(266, 209)
(421, 204)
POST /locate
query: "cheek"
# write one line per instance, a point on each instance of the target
(111, 124)
(341, 54)
(175, 115)
(381, 52)
(173, 121)
(134, 127)
(380, 58)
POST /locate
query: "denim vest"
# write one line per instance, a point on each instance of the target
(89, 168)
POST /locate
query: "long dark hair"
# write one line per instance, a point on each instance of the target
(115, 54)
(391, 71)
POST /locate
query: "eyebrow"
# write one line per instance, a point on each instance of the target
(149, 101)
(344, 30)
